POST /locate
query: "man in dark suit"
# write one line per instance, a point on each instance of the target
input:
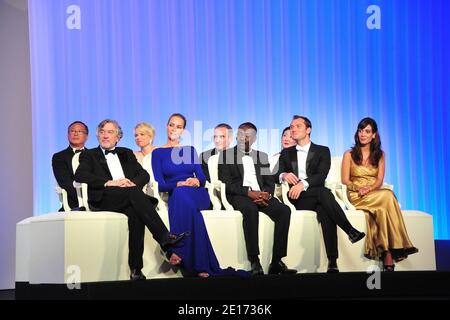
(305, 167)
(115, 180)
(77, 134)
(249, 188)
(223, 133)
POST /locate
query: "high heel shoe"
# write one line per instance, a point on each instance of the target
(388, 262)
(388, 267)
(168, 258)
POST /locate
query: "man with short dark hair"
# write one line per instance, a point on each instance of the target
(305, 167)
(115, 180)
(249, 189)
(77, 134)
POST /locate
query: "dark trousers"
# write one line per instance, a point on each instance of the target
(141, 213)
(278, 212)
(329, 214)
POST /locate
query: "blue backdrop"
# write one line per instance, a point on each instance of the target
(261, 61)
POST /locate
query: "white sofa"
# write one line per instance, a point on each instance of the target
(93, 246)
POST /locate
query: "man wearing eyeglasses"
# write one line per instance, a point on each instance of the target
(77, 134)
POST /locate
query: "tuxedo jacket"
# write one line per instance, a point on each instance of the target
(231, 171)
(318, 163)
(94, 171)
(63, 172)
(204, 157)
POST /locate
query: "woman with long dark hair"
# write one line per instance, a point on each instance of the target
(363, 170)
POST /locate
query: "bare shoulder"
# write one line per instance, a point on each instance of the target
(347, 158)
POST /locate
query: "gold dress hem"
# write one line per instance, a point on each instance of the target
(386, 228)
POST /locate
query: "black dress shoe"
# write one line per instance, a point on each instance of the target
(257, 269)
(332, 267)
(280, 268)
(78, 209)
(137, 275)
(355, 235)
(173, 240)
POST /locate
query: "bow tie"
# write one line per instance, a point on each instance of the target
(299, 148)
(78, 151)
(110, 151)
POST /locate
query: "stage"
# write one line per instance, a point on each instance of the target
(310, 286)
(222, 62)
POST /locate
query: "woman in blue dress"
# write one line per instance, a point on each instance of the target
(178, 172)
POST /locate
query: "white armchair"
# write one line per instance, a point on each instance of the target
(217, 188)
(334, 181)
(152, 188)
(226, 231)
(273, 161)
(62, 194)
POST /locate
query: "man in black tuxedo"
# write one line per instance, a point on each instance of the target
(115, 180)
(223, 133)
(77, 134)
(305, 167)
(249, 188)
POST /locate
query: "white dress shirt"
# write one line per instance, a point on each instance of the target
(75, 149)
(114, 165)
(302, 154)
(250, 179)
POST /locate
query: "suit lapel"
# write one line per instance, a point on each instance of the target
(68, 155)
(310, 156)
(102, 160)
(256, 158)
(123, 161)
(238, 158)
(294, 161)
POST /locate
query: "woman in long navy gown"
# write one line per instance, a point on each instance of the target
(177, 171)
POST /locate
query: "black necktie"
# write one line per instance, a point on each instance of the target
(110, 151)
(78, 151)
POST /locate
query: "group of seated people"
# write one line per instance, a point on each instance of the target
(117, 176)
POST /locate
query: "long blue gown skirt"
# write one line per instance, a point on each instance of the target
(197, 253)
(185, 203)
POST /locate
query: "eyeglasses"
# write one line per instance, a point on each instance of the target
(77, 132)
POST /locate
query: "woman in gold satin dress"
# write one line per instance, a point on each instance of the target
(363, 172)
